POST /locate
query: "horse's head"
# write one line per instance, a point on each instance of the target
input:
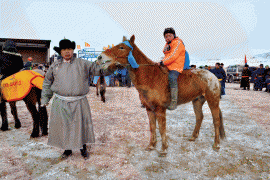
(117, 55)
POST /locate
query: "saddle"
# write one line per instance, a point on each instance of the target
(18, 85)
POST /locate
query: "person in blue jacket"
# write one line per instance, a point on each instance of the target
(260, 76)
(220, 74)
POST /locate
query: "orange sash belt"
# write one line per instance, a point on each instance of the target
(245, 76)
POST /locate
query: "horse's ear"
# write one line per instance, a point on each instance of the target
(132, 39)
(124, 38)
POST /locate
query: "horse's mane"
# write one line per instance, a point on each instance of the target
(148, 61)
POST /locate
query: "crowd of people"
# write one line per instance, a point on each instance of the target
(38, 67)
(121, 78)
(260, 77)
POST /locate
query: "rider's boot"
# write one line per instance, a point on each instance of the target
(174, 95)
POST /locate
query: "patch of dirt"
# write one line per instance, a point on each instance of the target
(255, 103)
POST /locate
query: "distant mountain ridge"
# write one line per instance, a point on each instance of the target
(263, 55)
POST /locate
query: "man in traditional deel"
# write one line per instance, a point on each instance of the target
(174, 59)
(70, 125)
(246, 73)
(260, 77)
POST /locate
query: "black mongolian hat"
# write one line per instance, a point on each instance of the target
(246, 65)
(64, 44)
(169, 30)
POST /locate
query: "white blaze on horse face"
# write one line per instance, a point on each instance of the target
(106, 61)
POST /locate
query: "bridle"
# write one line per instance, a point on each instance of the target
(110, 51)
(163, 70)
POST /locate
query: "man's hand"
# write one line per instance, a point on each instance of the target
(44, 105)
(160, 63)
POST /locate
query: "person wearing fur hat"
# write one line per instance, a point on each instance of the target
(70, 122)
(246, 73)
(174, 59)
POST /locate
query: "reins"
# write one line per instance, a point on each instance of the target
(140, 64)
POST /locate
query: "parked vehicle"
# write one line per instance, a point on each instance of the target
(234, 73)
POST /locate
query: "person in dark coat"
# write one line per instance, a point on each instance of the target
(260, 77)
(267, 82)
(128, 80)
(220, 74)
(267, 69)
(246, 73)
(265, 74)
(223, 80)
(10, 60)
(124, 76)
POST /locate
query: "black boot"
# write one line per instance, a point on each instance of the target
(66, 154)
(84, 152)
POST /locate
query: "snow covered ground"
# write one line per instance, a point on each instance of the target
(122, 134)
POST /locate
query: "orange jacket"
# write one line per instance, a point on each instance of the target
(175, 55)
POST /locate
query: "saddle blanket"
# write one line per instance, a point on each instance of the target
(18, 85)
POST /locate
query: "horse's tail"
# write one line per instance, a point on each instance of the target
(221, 127)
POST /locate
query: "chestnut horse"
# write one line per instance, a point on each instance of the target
(101, 86)
(151, 81)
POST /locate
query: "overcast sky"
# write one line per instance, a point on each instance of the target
(210, 29)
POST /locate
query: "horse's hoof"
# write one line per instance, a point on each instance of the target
(192, 139)
(216, 147)
(150, 148)
(18, 125)
(45, 134)
(4, 128)
(163, 153)
(34, 135)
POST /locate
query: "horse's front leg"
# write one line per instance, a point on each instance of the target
(3, 110)
(15, 114)
(152, 123)
(161, 118)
